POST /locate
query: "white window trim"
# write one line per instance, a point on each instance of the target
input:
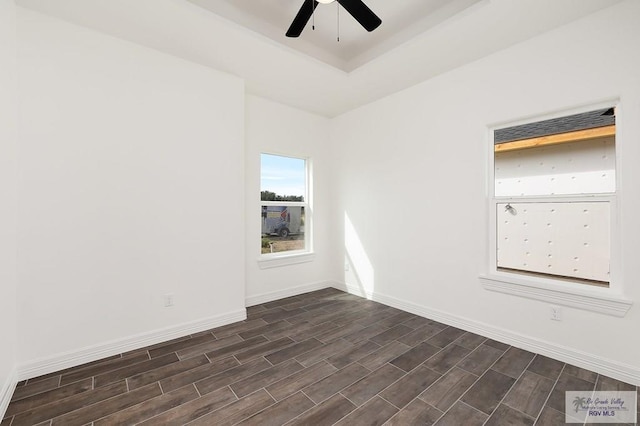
(293, 257)
(611, 300)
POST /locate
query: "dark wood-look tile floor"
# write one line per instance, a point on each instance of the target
(320, 358)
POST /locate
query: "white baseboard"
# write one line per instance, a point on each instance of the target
(614, 369)
(93, 353)
(281, 294)
(6, 392)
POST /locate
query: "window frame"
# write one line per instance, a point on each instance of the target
(607, 300)
(291, 257)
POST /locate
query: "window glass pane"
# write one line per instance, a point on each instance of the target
(282, 178)
(282, 228)
(568, 155)
(567, 239)
(586, 167)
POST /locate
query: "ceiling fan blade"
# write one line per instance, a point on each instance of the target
(362, 14)
(302, 18)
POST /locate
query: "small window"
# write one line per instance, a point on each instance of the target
(285, 209)
(554, 192)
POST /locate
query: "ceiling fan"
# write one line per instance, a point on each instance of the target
(356, 8)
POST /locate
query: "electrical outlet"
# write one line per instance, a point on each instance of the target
(168, 300)
(556, 313)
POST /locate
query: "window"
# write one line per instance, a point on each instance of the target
(285, 215)
(554, 188)
(552, 212)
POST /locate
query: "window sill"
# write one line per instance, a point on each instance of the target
(600, 300)
(267, 261)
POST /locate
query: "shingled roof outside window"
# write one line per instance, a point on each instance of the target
(570, 123)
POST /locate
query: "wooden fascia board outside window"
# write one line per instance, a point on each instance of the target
(576, 136)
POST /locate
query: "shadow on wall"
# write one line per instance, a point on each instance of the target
(359, 271)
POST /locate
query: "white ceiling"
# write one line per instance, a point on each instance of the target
(401, 21)
(417, 40)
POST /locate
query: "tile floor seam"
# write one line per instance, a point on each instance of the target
(549, 395)
(335, 393)
(402, 377)
(316, 406)
(197, 390)
(472, 384)
(557, 411)
(512, 386)
(520, 411)
(275, 401)
(593, 391)
(236, 395)
(270, 363)
(595, 385)
(103, 417)
(208, 413)
(440, 417)
(285, 377)
(346, 415)
(386, 400)
(407, 404)
(310, 384)
(85, 406)
(475, 409)
(309, 409)
(357, 406)
(449, 370)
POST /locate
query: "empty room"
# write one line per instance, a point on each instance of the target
(300, 212)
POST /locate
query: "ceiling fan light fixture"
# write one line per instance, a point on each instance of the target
(325, 1)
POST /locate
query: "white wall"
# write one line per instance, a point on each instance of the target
(8, 197)
(275, 128)
(131, 187)
(413, 180)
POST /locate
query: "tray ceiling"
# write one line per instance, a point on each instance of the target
(418, 40)
(401, 21)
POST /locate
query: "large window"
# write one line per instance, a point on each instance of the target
(553, 229)
(554, 197)
(284, 195)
